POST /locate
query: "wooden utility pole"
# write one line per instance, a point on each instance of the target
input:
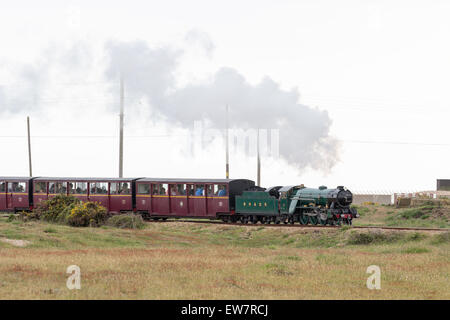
(227, 156)
(121, 128)
(258, 161)
(29, 147)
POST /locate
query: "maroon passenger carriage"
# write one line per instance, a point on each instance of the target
(15, 193)
(115, 194)
(194, 198)
(156, 198)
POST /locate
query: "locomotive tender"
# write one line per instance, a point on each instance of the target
(230, 200)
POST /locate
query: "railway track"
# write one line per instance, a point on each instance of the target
(307, 226)
(295, 225)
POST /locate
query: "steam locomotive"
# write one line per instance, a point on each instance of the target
(290, 204)
(230, 200)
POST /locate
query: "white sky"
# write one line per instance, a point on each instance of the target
(380, 68)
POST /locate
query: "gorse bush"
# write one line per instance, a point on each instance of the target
(29, 216)
(52, 210)
(87, 214)
(68, 210)
(130, 221)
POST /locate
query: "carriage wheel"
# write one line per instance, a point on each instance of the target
(323, 222)
(254, 220)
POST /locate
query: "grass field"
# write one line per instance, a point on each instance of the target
(424, 216)
(178, 260)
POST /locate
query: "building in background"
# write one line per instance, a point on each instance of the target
(443, 185)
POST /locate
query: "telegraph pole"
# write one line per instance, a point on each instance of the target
(227, 156)
(29, 147)
(258, 161)
(121, 128)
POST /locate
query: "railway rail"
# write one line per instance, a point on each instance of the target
(293, 225)
(306, 226)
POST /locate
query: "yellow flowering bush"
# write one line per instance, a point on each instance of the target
(87, 214)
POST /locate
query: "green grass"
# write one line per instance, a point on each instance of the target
(428, 215)
(178, 260)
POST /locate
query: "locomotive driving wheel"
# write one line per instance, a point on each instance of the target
(304, 220)
(313, 220)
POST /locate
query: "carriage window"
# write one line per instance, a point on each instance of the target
(200, 190)
(61, 187)
(210, 189)
(113, 189)
(71, 187)
(164, 189)
(155, 188)
(2, 186)
(102, 188)
(124, 188)
(181, 189)
(143, 188)
(78, 187)
(40, 187)
(92, 188)
(220, 190)
(177, 189)
(99, 188)
(19, 187)
(51, 187)
(190, 189)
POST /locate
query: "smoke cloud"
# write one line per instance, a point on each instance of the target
(149, 73)
(29, 84)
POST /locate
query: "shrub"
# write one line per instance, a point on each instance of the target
(416, 250)
(416, 236)
(441, 238)
(362, 211)
(87, 214)
(50, 210)
(372, 237)
(416, 213)
(129, 221)
(28, 216)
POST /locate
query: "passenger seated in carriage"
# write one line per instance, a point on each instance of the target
(222, 191)
(199, 191)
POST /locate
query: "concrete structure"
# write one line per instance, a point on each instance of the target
(375, 198)
(443, 185)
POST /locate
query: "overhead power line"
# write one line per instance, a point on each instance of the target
(185, 136)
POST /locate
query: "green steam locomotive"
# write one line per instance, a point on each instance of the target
(291, 204)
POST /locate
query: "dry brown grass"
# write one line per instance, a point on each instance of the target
(185, 261)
